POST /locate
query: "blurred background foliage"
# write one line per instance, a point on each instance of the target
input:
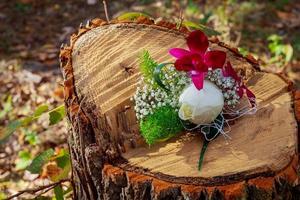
(31, 32)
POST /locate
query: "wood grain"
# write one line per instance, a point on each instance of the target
(262, 141)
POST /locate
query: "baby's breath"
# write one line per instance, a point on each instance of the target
(228, 86)
(149, 96)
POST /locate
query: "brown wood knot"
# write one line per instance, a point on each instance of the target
(129, 70)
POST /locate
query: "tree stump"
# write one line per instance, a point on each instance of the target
(110, 159)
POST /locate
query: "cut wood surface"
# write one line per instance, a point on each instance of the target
(104, 63)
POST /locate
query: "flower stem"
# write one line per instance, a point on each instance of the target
(203, 150)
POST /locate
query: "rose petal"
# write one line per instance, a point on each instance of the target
(198, 80)
(229, 71)
(197, 42)
(184, 64)
(215, 59)
(179, 53)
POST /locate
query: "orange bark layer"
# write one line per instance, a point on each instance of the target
(231, 190)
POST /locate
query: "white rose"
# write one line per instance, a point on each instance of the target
(201, 106)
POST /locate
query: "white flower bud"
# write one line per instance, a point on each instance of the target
(201, 107)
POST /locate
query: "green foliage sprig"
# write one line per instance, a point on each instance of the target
(281, 53)
(147, 66)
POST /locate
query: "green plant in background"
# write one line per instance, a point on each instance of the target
(279, 4)
(146, 1)
(55, 116)
(31, 137)
(60, 162)
(26, 161)
(243, 51)
(192, 8)
(163, 124)
(7, 106)
(22, 7)
(296, 46)
(281, 54)
(37, 163)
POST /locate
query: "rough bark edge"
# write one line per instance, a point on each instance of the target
(83, 126)
(256, 188)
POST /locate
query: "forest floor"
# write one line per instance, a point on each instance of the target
(31, 32)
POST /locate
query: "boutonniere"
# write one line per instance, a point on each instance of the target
(200, 92)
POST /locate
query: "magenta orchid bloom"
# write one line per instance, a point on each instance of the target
(228, 71)
(198, 59)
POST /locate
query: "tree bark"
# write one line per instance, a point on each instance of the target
(110, 159)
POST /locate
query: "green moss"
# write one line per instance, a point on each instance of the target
(147, 66)
(163, 124)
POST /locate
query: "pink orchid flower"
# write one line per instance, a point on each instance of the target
(228, 71)
(198, 59)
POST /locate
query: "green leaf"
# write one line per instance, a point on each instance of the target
(132, 16)
(57, 115)
(275, 38)
(40, 110)
(202, 153)
(208, 31)
(210, 133)
(288, 50)
(192, 7)
(9, 130)
(63, 158)
(2, 196)
(59, 193)
(23, 161)
(31, 137)
(157, 73)
(63, 161)
(7, 107)
(243, 51)
(27, 120)
(38, 162)
(206, 17)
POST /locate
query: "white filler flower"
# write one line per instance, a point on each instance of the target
(201, 107)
